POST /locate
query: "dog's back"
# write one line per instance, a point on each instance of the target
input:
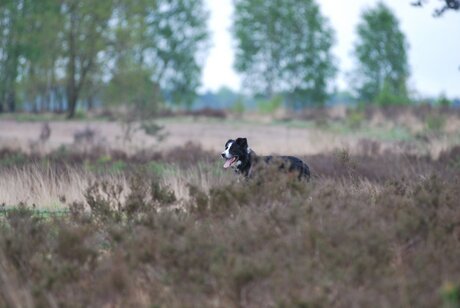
(290, 164)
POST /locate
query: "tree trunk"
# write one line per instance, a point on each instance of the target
(11, 101)
(72, 98)
(90, 103)
(72, 95)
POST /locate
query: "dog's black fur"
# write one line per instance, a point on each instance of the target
(239, 156)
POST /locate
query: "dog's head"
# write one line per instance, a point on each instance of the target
(236, 152)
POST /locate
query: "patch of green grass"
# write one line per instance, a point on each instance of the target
(295, 123)
(450, 293)
(435, 122)
(49, 117)
(41, 212)
(105, 164)
(33, 117)
(13, 160)
(355, 119)
(157, 168)
(270, 106)
(397, 133)
(393, 134)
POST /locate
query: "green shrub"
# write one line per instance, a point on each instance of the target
(390, 97)
(435, 122)
(270, 106)
(238, 107)
(450, 293)
(443, 101)
(355, 119)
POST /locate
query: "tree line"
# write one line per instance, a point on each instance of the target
(56, 54)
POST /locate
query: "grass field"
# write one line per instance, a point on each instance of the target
(107, 222)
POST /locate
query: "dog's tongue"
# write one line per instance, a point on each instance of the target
(229, 162)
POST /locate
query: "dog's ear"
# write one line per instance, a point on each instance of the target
(243, 142)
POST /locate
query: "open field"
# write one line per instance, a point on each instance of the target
(418, 131)
(138, 223)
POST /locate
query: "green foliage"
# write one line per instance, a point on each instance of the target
(167, 38)
(450, 293)
(80, 114)
(443, 101)
(355, 119)
(156, 168)
(284, 46)
(381, 53)
(12, 159)
(105, 164)
(435, 122)
(271, 105)
(238, 106)
(153, 129)
(57, 52)
(132, 86)
(388, 97)
(28, 38)
(84, 37)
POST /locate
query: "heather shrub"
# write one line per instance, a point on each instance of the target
(366, 230)
(355, 119)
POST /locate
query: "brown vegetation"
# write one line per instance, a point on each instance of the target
(172, 230)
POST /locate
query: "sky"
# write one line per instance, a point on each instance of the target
(434, 53)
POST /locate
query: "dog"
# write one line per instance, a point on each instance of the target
(239, 156)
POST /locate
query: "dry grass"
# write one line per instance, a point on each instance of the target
(47, 187)
(54, 182)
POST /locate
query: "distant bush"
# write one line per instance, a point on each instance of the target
(238, 107)
(435, 122)
(386, 97)
(270, 106)
(443, 101)
(355, 119)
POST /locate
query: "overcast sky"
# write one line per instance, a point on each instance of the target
(434, 53)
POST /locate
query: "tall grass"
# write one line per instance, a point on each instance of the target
(48, 186)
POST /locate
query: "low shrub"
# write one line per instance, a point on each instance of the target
(375, 230)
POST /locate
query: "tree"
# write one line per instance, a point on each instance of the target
(9, 52)
(15, 18)
(132, 86)
(72, 48)
(167, 38)
(284, 46)
(38, 81)
(85, 37)
(381, 53)
(449, 5)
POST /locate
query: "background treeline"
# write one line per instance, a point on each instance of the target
(56, 55)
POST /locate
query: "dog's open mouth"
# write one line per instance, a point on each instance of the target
(229, 162)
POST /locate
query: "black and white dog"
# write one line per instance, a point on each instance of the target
(239, 155)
